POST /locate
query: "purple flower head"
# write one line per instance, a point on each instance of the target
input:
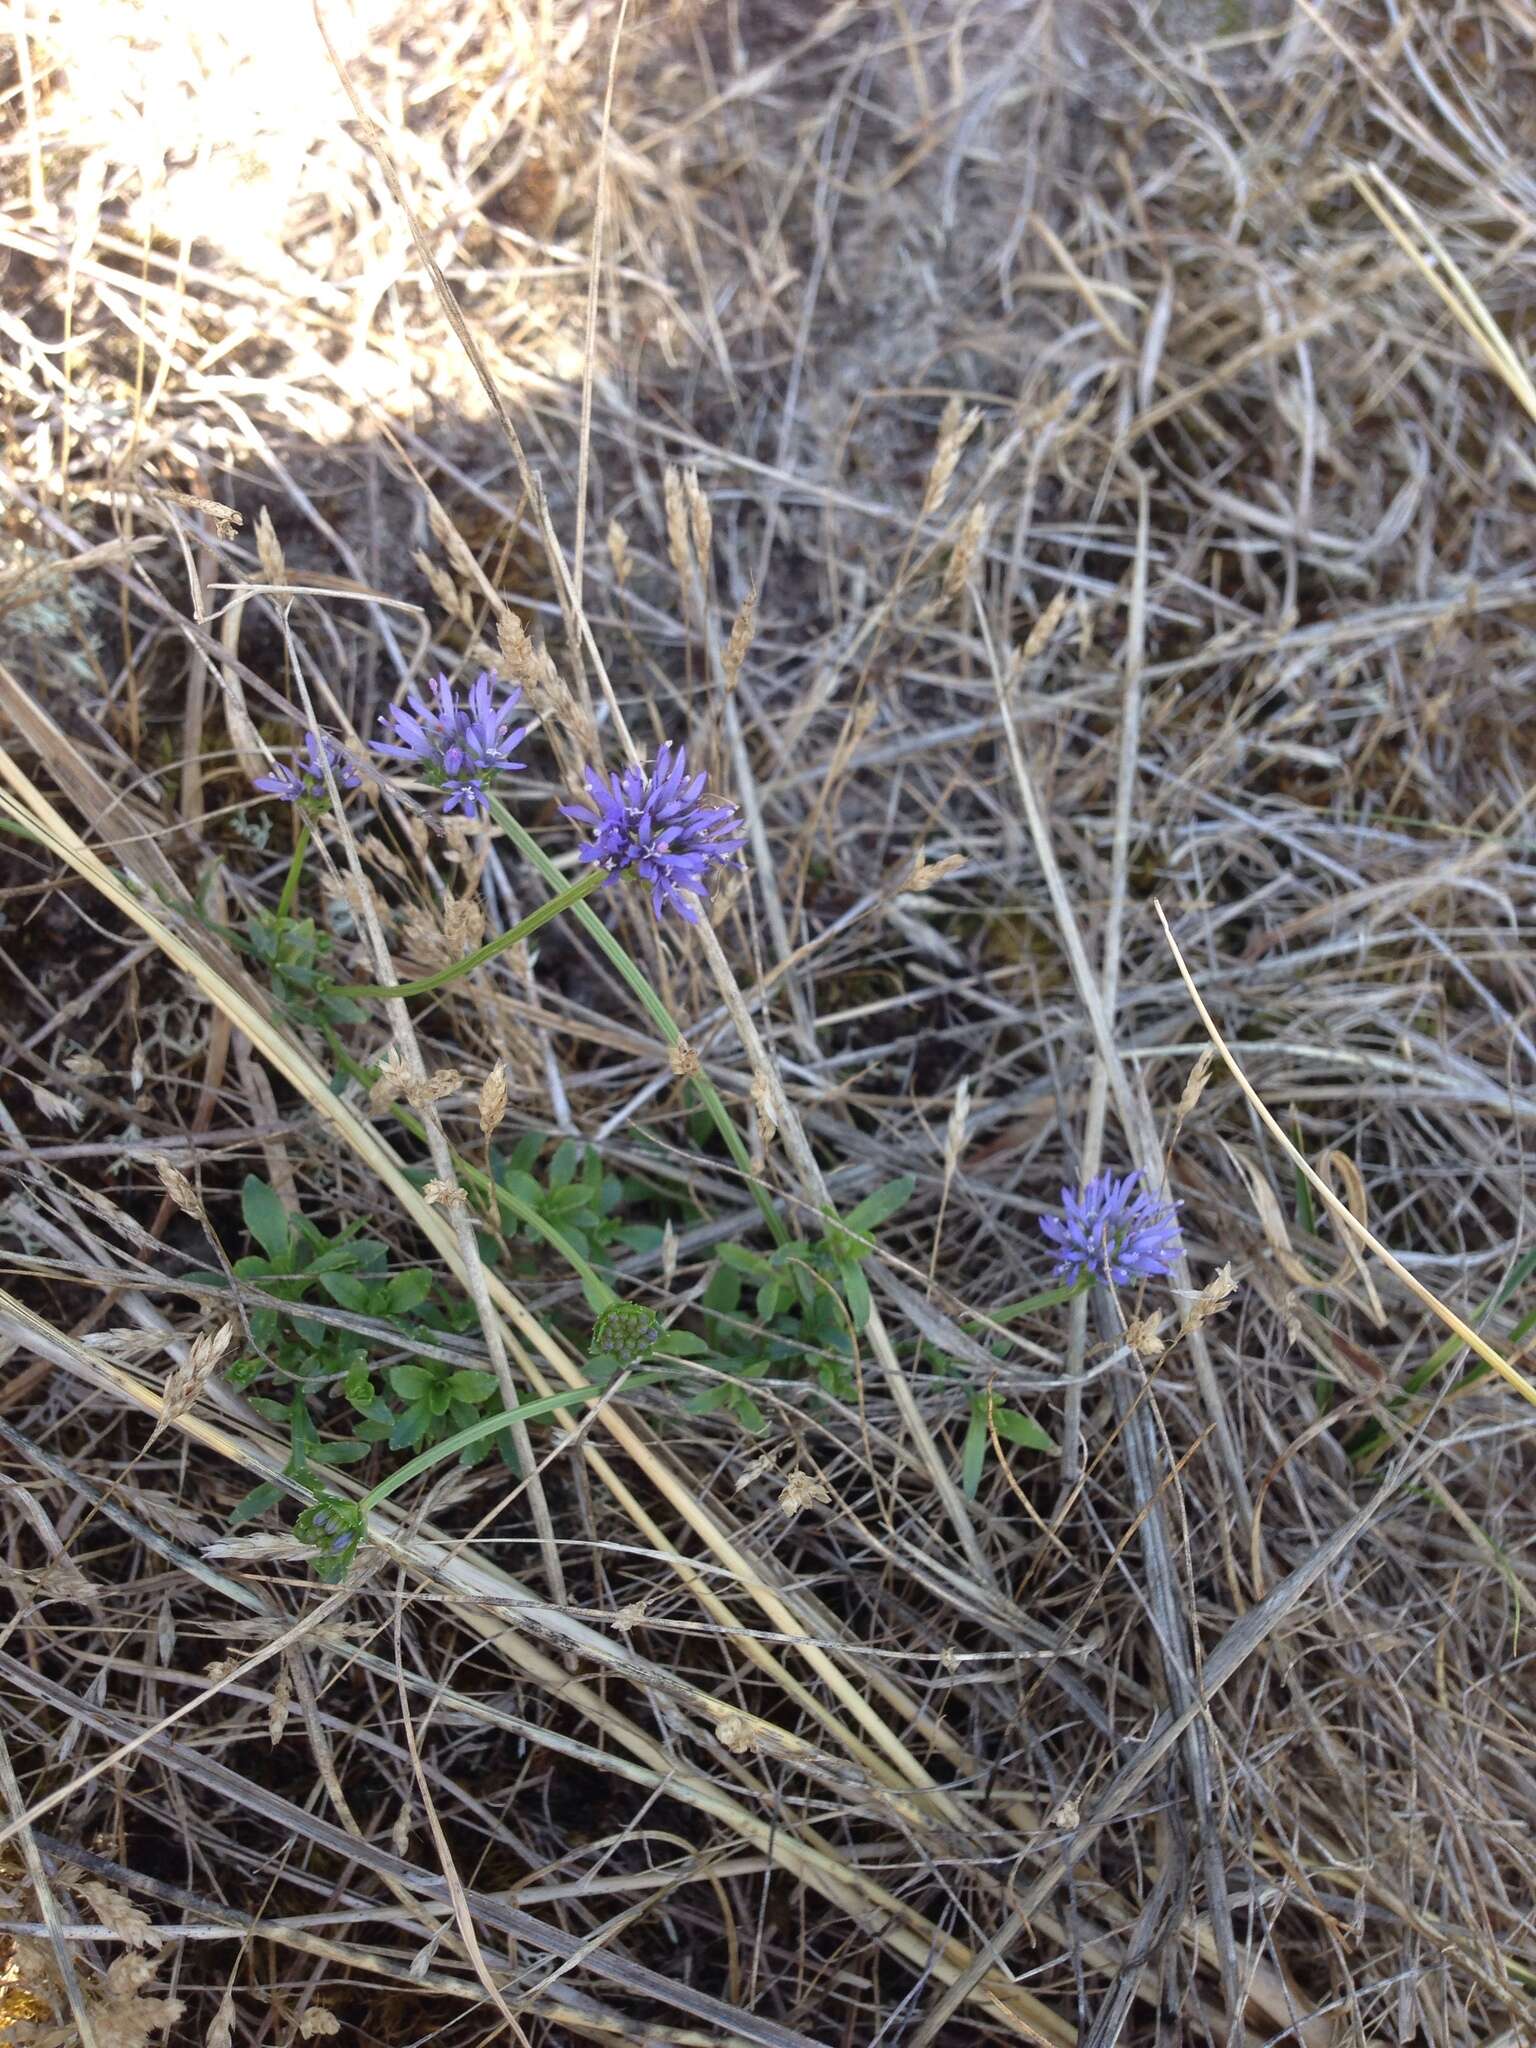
(303, 780)
(655, 823)
(461, 747)
(1114, 1232)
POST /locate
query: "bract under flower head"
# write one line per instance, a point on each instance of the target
(1114, 1232)
(302, 781)
(463, 747)
(656, 823)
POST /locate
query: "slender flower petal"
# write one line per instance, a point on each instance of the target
(462, 747)
(657, 823)
(303, 780)
(1114, 1232)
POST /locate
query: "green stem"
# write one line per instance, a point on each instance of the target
(488, 1425)
(523, 929)
(295, 869)
(1053, 1297)
(655, 1008)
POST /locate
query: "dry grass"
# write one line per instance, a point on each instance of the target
(1113, 437)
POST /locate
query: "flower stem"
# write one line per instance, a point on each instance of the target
(488, 1425)
(295, 869)
(655, 1008)
(523, 929)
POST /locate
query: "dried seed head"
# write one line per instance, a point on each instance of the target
(393, 1079)
(464, 924)
(957, 571)
(685, 1061)
(737, 1734)
(618, 550)
(803, 1490)
(742, 635)
(927, 874)
(700, 519)
(762, 1103)
(493, 1100)
(186, 1383)
(1041, 632)
(677, 526)
(1194, 1087)
(269, 549)
(179, 1188)
(955, 429)
(1141, 1333)
(433, 1087)
(442, 1194)
(119, 1915)
(1209, 1301)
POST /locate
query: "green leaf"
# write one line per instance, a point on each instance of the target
(408, 1290)
(1018, 1429)
(265, 1217)
(256, 1502)
(682, 1344)
(562, 1167)
(359, 1389)
(470, 1385)
(973, 1458)
(742, 1261)
(410, 1382)
(411, 1426)
(340, 1454)
(856, 1291)
(438, 1398)
(347, 1291)
(877, 1208)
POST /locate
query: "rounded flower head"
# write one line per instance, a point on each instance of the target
(656, 823)
(460, 747)
(302, 781)
(626, 1330)
(1114, 1232)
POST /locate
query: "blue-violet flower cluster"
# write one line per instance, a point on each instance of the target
(303, 780)
(1114, 1232)
(461, 747)
(656, 823)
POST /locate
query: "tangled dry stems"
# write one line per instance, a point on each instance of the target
(1116, 504)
